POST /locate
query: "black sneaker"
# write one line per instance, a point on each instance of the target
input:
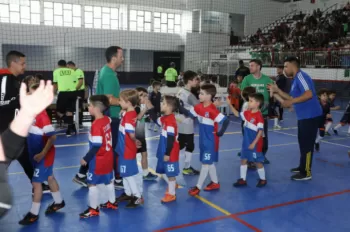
(261, 183)
(266, 161)
(239, 154)
(118, 185)
(317, 147)
(55, 207)
(123, 198)
(135, 202)
(71, 130)
(194, 171)
(90, 212)
(46, 188)
(28, 219)
(335, 131)
(150, 176)
(240, 183)
(301, 177)
(295, 170)
(80, 180)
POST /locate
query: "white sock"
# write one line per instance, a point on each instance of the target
(172, 186)
(127, 188)
(212, 173)
(244, 169)
(81, 175)
(318, 139)
(145, 172)
(57, 198)
(35, 208)
(261, 172)
(203, 175)
(276, 121)
(102, 188)
(165, 178)
(93, 197)
(188, 158)
(349, 130)
(328, 126)
(133, 186)
(111, 192)
(337, 126)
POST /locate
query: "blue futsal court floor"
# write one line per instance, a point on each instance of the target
(321, 204)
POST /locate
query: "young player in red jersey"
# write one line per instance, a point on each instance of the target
(99, 158)
(42, 154)
(252, 139)
(209, 117)
(126, 149)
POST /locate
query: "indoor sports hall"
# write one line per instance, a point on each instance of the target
(210, 38)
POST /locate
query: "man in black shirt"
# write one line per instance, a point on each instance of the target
(242, 69)
(281, 82)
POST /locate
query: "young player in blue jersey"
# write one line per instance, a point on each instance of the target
(126, 149)
(168, 148)
(41, 150)
(209, 117)
(252, 147)
(99, 159)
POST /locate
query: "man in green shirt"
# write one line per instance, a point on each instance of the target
(108, 84)
(160, 75)
(260, 82)
(80, 87)
(64, 83)
(171, 75)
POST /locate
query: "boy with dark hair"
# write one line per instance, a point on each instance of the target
(209, 117)
(155, 98)
(252, 139)
(127, 149)
(186, 126)
(99, 159)
(41, 151)
(326, 122)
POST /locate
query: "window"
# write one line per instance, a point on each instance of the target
(140, 20)
(20, 11)
(101, 17)
(167, 23)
(59, 14)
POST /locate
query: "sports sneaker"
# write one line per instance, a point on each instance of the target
(212, 186)
(28, 219)
(317, 146)
(261, 183)
(295, 170)
(190, 171)
(168, 198)
(277, 127)
(55, 207)
(46, 188)
(150, 176)
(335, 131)
(194, 191)
(135, 202)
(118, 185)
(109, 205)
(240, 183)
(123, 198)
(80, 180)
(301, 177)
(90, 212)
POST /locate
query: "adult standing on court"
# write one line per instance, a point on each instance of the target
(108, 84)
(159, 76)
(80, 87)
(242, 69)
(64, 82)
(281, 82)
(171, 75)
(304, 99)
(260, 82)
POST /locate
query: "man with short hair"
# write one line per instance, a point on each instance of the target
(304, 99)
(260, 82)
(242, 69)
(64, 82)
(80, 87)
(108, 84)
(9, 104)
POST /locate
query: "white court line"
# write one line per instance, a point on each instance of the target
(337, 144)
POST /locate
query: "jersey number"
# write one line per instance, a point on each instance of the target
(89, 176)
(123, 169)
(207, 156)
(36, 172)
(171, 168)
(108, 137)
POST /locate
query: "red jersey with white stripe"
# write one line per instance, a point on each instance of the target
(126, 147)
(39, 133)
(253, 122)
(101, 136)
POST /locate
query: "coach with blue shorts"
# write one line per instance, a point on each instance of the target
(304, 99)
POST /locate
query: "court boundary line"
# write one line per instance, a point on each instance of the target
(235, 216)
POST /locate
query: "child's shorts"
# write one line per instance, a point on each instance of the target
(95, 179)
(41, 173)
(170, 169)
(252, 156)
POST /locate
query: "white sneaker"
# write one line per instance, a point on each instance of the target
(277, 127)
